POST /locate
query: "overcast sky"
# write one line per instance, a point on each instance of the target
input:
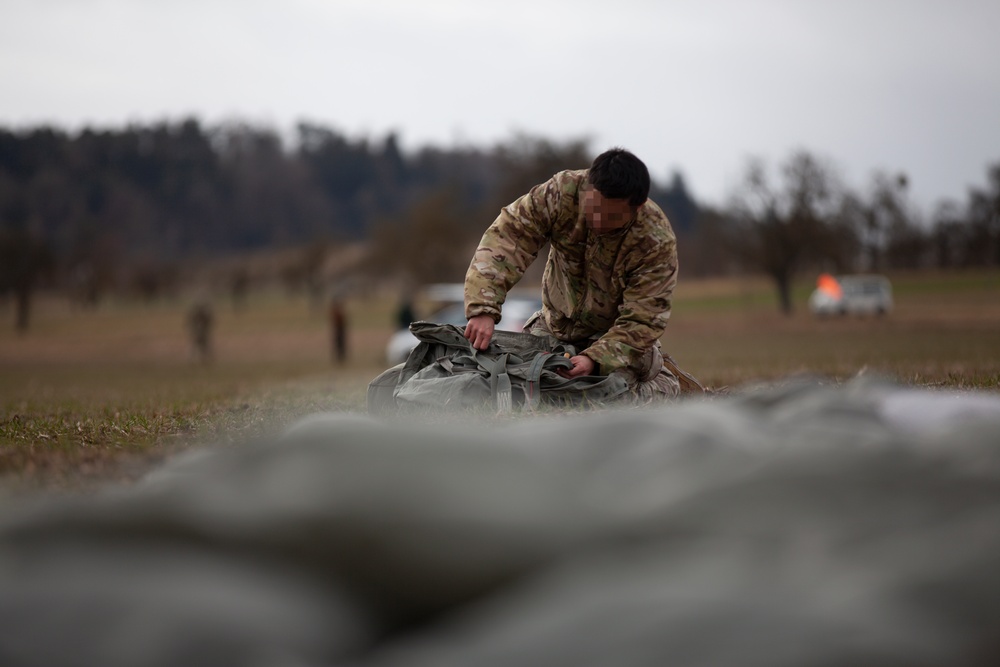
(696, 86)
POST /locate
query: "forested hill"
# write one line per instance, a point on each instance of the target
(171, 190)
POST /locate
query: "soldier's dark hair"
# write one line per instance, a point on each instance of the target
(617, 174)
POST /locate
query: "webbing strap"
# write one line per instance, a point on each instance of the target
(500, 388)
(532, 389)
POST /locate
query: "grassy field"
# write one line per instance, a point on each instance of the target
(91, 396)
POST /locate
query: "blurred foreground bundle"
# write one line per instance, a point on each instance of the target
(799, 525)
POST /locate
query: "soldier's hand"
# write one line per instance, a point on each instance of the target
(582, 365)
(479, 331)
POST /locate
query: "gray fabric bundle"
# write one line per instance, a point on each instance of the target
(799, 525)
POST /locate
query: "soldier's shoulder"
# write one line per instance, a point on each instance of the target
(654, 223)
(570, 180)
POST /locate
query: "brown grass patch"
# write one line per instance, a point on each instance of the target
(97, 395)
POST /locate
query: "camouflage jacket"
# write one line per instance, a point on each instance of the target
(613, 287)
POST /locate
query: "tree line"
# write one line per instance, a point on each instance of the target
(122, 209)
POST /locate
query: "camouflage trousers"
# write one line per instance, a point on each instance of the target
(650, 380)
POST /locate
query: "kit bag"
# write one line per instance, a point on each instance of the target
(517, 371)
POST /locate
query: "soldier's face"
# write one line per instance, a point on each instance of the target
(604, 214)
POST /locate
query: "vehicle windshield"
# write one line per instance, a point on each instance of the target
(855, 286)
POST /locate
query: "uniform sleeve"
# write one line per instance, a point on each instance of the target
(509, 247)
(644, 312)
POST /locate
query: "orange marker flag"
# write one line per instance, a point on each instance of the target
(828, 284)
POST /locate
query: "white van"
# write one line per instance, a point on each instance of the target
(851, 295)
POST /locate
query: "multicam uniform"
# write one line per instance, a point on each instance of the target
(607, 294)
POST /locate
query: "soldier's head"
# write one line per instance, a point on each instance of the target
(617, 185)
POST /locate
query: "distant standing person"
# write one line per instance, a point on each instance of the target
(338, 330)
(200, 320)
(405, 315)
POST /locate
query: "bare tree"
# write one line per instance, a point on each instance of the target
(430, 243)
(783, 229)
(887, 227)
(984, 220)
(969, 235)
(948, 235)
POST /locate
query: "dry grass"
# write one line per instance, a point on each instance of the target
(945, 331)
(88, 396)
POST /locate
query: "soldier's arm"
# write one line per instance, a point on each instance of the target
(644, 313)
(508, 247)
